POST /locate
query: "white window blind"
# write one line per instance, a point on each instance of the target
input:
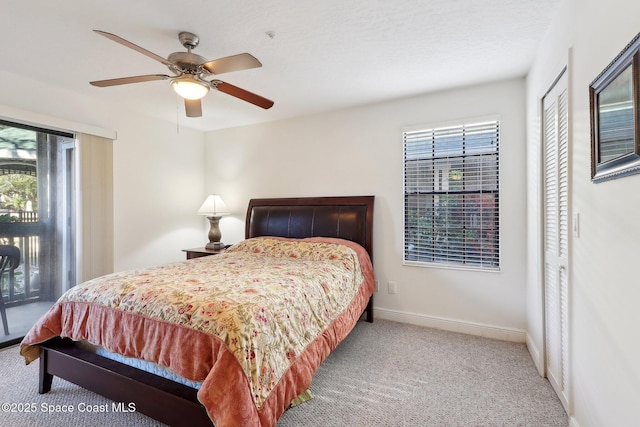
(95, 206)
(451, 196)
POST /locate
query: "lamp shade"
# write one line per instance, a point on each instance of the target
(213, 206)
(189, 87)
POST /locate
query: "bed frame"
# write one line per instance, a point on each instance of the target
(349, 218)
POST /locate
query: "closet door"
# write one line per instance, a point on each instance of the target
(556, 236)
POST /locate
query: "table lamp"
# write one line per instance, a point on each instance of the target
(214, 208)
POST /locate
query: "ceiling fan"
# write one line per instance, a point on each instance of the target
(191, 72)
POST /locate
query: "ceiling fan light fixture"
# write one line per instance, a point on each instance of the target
(189, 87)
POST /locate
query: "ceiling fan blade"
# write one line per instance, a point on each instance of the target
(126, 80)
(135, 47)
(193, 107)
(240, 93)
(241, 61)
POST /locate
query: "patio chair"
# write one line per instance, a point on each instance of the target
(9, 261)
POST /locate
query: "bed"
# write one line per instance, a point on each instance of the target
(323, 224)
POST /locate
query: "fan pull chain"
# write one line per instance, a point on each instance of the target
(177, 115)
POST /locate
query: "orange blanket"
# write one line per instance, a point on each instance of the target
(253, 323)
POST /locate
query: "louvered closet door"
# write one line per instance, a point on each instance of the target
(556, 236)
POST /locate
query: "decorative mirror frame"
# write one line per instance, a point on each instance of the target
(627, 163)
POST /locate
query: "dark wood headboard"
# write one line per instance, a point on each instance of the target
(346, 217)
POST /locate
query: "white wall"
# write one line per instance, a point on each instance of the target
(158, 188)
(604, 288)
(359, 152)
(157, 171)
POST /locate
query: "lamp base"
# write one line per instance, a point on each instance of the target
(214, 234)
(215, 245)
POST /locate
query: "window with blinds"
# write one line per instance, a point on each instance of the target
(451, 196)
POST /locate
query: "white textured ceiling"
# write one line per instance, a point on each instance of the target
(326, 54)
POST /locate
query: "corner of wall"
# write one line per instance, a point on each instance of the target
(536, 355)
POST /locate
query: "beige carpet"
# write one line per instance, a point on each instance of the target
(383, 374)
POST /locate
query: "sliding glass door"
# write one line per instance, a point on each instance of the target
(37, 215)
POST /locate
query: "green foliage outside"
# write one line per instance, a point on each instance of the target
(16, 191)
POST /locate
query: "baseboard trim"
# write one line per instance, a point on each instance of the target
(573, 422)
(453, 325)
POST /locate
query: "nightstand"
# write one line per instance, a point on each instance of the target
(200, 252)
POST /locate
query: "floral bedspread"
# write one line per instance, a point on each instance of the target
(258, 316)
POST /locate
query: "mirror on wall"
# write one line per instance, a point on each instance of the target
(615, 141)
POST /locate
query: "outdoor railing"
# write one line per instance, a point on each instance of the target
(26, 234)
(27, 216)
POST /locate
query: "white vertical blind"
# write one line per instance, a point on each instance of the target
(95, 206)
(451, 195)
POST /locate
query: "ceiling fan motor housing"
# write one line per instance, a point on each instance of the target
(187, 61)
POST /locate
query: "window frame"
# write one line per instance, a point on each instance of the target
(498, 192)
